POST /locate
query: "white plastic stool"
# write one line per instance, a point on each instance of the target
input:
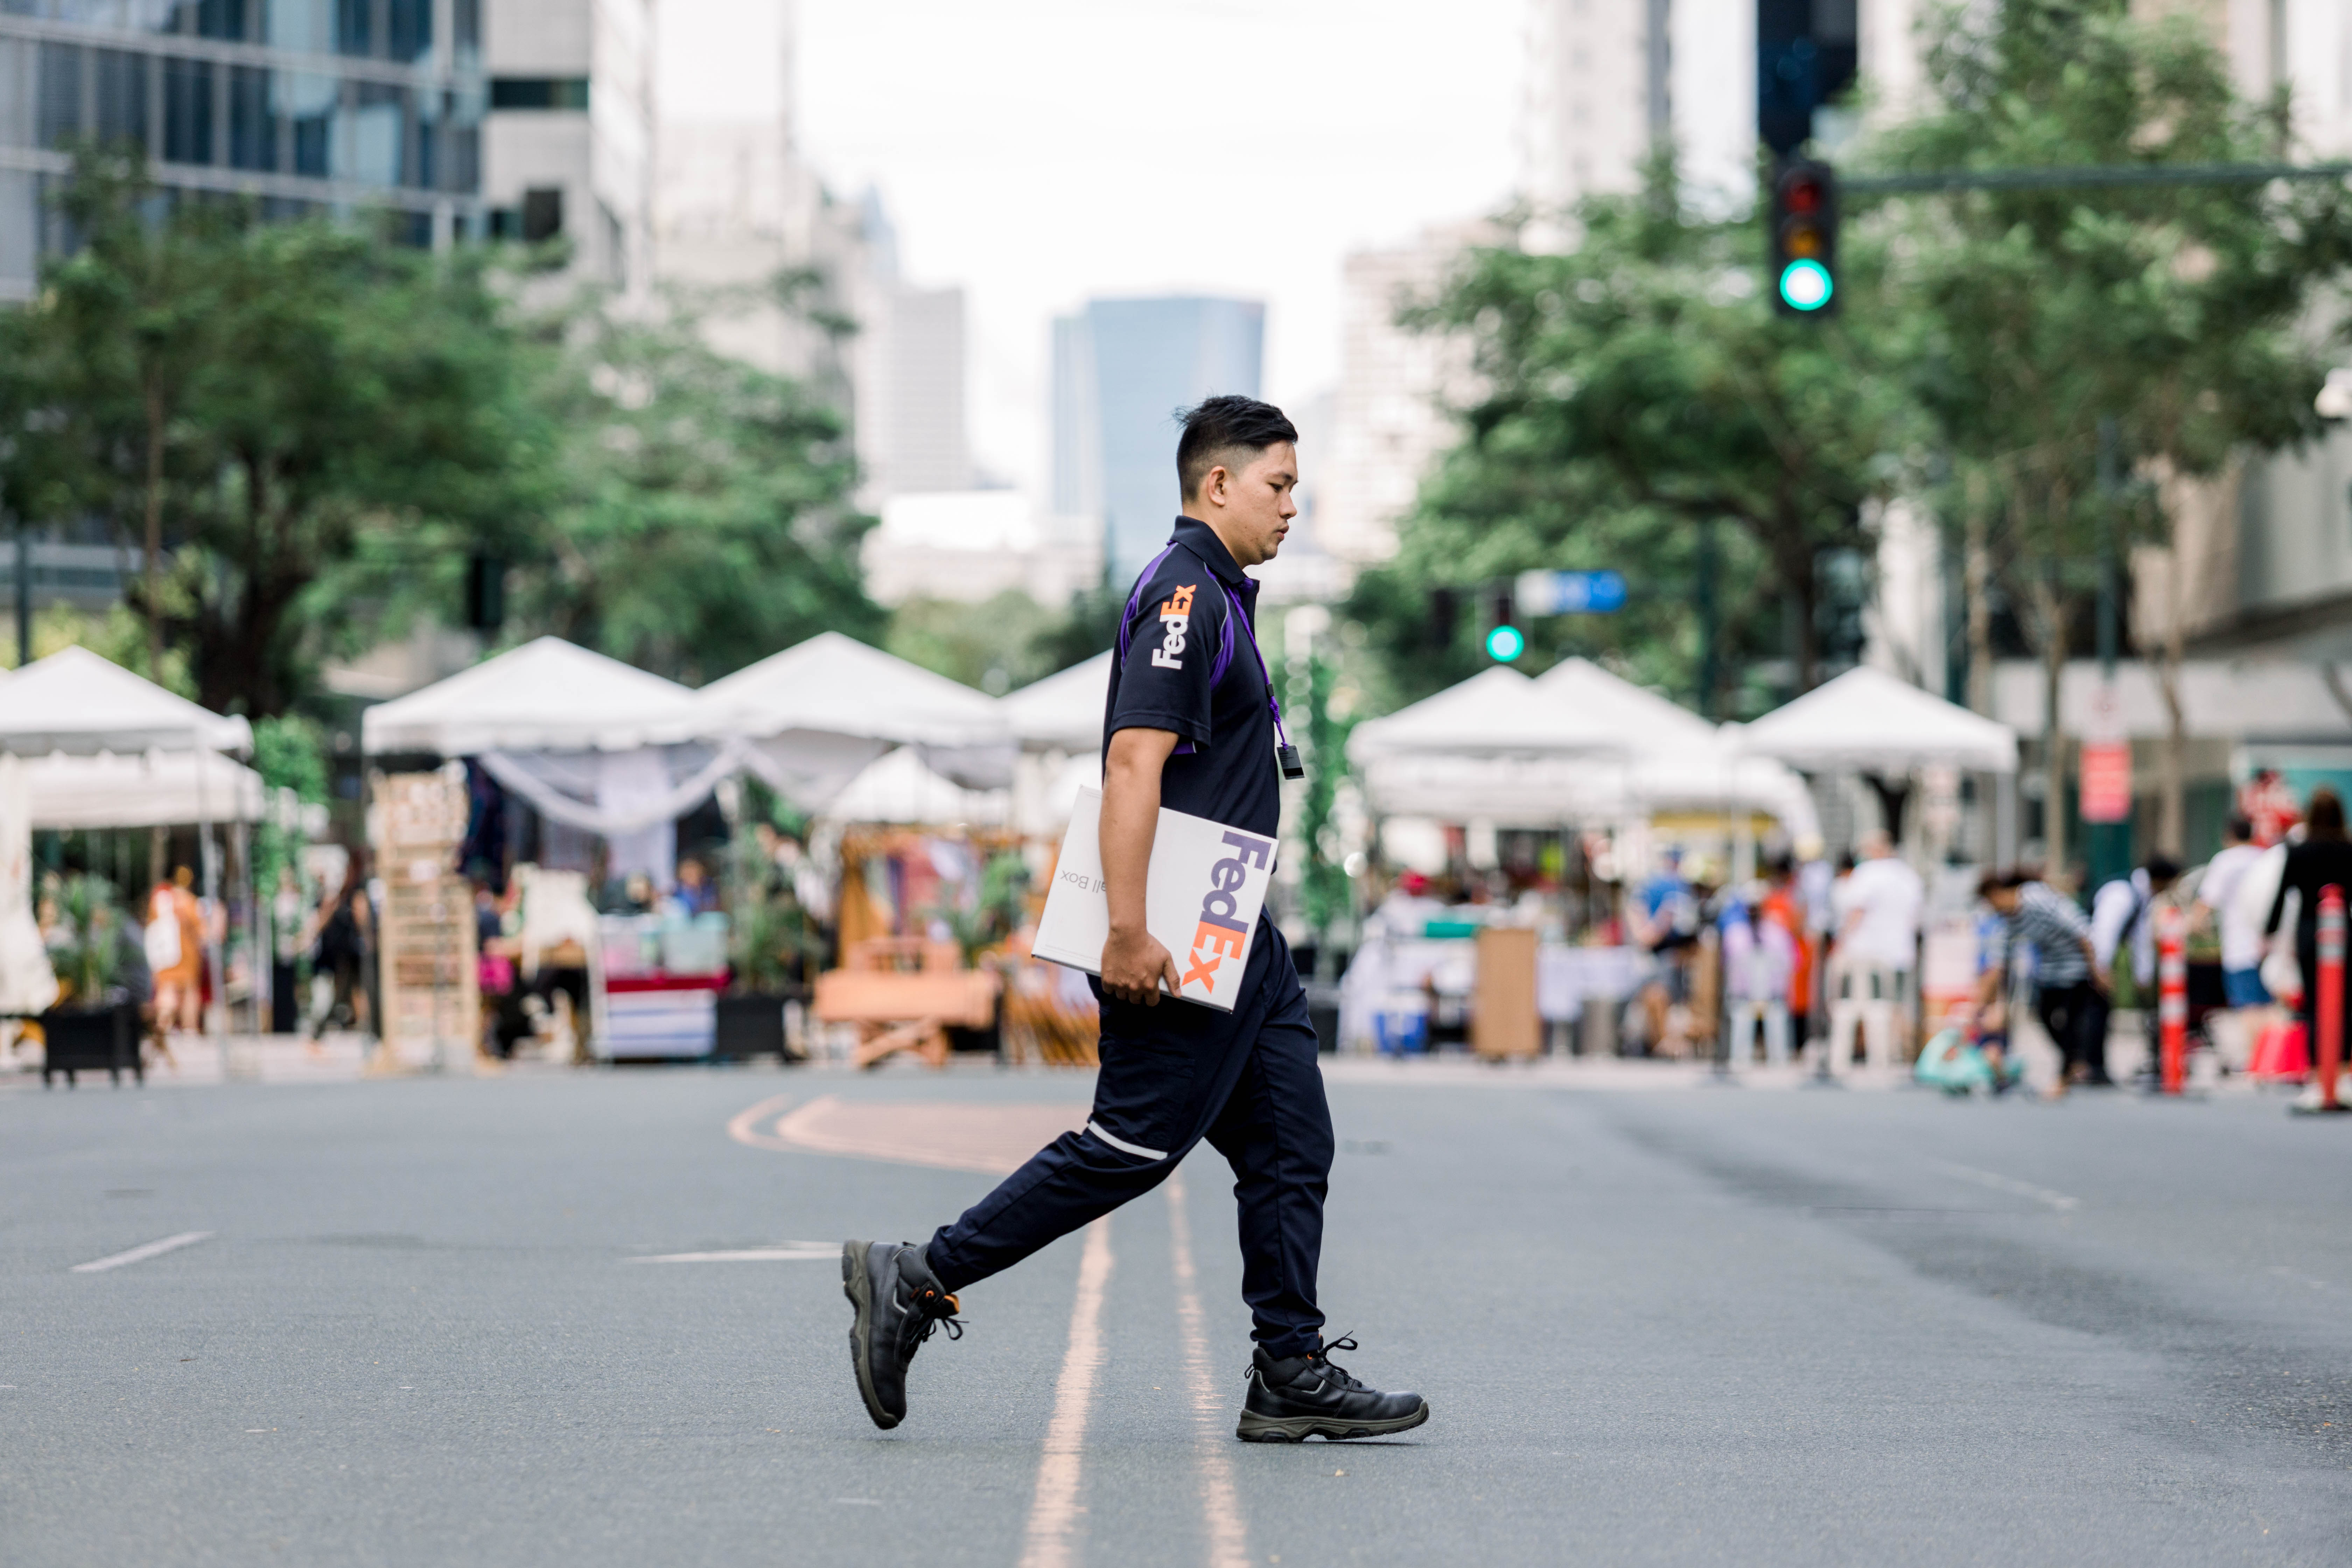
(1869, 999)
(1745, 1016)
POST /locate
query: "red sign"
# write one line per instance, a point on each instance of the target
(2106, 780)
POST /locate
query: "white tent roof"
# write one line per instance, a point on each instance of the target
(834, 685)
(1063, 712)
(1512, 791)
(157, 789)
(1646, 721)
(1866, 720)
(545, 696)
(900, 789)
(1496, 712)
(77, 702)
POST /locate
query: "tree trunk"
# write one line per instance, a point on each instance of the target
(1792, 557)
(2050, 611)
(1979, 568)
(2172, 763)
(152, 575)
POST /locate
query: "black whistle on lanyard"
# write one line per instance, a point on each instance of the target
(1292, 768)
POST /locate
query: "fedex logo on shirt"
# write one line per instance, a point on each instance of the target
(1175, 620)
(1219, 936)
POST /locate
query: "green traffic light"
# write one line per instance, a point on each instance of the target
(1505, 643)
(1806, 285)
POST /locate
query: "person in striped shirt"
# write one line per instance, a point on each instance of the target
(2069, 991)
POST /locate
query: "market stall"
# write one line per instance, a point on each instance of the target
(75, 714)
(812, 718)
(601, 749)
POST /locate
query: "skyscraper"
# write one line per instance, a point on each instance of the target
(1122, 370)
(310, 105)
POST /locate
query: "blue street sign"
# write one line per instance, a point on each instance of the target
(1569, 593)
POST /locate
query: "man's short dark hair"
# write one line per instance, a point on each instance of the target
(2241, 828)
(2162, 867)
(1223, 425)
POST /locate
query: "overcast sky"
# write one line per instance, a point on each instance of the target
(1038, 151)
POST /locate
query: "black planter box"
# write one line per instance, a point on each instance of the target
(92, 1040)
(751, 1023)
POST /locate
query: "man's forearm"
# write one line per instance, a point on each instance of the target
(1130, 818)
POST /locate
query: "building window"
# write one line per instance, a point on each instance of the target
(122, 96)
(221, 19)
(188, 112)
(252, 128)
(466, 23)
(539, 92)
(410, 23)
(60, 109)
(543, 213)
(354, 26)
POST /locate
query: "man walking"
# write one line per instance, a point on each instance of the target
(2120, 913)
(1191, 725)
(2066, 992)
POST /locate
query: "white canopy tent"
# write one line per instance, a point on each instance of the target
(76, 702)
(818, 714)
(900, 789)
(1498, 712)
(154, 789)
(586, 740)
(77, 710)
(1063, 713)
(1866, 721)
(1676, 759)
(548, 695)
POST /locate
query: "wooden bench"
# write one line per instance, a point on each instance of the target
(905, 1008)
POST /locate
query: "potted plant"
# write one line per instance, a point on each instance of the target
(979, 919)
(770, 942)
(94, 1024)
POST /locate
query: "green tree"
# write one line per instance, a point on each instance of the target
(2176, 312)
(992, 644)
(274, 402)
(122, 328)
(1635, 393)
(698, 515)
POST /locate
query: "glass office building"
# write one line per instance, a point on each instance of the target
(311, 106)
(1121, 370)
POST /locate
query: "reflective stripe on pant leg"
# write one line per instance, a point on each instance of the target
(1123, 1146)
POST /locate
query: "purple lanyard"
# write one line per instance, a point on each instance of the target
(1273, 704)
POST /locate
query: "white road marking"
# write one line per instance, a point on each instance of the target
(744, 1127)
(141, 1254)
(745, 1255)
(2010, 1184)
(1219, 1510)
(1050, 1540)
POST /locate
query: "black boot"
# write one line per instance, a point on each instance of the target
(1304, 1397)
(899, 1303)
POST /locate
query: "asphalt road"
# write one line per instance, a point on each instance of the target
(1727, 1326)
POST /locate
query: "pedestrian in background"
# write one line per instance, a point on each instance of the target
(1878, 933)
(2119, 914)
(2323, 859)
(176, 954)
(2241, 937)
(2066, 986)
(2268, 806)
(343, 940)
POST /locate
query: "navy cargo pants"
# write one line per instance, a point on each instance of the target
(1172, 1075)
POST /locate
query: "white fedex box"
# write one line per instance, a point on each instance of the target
(1200, 898)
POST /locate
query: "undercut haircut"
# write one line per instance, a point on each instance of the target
(1222, 427)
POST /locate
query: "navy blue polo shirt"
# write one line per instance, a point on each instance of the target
(1186, 664)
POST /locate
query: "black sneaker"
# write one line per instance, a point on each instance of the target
(1305, 1396)
(898, 1304)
